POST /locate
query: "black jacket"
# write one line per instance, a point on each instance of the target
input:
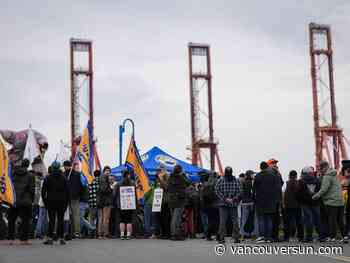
(266, 187)
(247, 195)
(177, 185)
(55, 190)
(307, 187)
(24, 185)
(76, 188)
(105, 193)
(290, 195)
(116, 191)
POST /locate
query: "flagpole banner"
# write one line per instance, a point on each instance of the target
(133, 160)
(127, 198)
(86, 154)
(7, 191)
(31, 150)
(157, 200)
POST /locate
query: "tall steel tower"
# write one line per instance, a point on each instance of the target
(81, 77)
(201, 106)
(329, 138)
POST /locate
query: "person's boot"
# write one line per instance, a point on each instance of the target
(62, 242)
(48, 242)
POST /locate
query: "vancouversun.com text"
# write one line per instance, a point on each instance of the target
(267, 250)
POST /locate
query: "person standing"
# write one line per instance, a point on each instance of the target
(266, 185)
(55, 194)
(308, 185)
(177, 185)
(76, 189)
(276, 219)
(208, 200)
(148, 222)
(105, 202)
(332, 197)
(248, 224)
(228, 192)
(93, 197)
(161, 219)
(346, 173)
(24, 185)
(292, 209)
(126, 216)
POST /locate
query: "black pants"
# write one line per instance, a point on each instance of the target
(25, 213)
(293, 223)
(165, 219)
(347, 218)
(56, 210)
(335, 218)
(213, 219)
(276, 221)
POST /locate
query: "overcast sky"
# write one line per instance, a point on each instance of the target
(260, 64)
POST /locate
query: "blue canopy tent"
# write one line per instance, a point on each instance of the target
(155, 158)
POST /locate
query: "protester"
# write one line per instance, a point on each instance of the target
(56, 196)
(308, 185)
(248, 224)
(228, 191)
(105, 202)
(86, 229)
(41, 210)
(24, 185)
(126, 216)
(331, 195)
(76, 189)
(177, 185)
(346, 173)
(266, 185)
(276, 219)
(161, 219)
(292, 209)
(147, 209)
(93, 196)
(208, 201)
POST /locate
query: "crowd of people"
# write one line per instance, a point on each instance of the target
(257, 206)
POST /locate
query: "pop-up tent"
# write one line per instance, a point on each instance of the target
(156, 158)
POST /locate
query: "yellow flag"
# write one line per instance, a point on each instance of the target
(133, 160)
(86, 154)
(7, 192)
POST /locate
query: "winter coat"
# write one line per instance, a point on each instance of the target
(330, 192)
(290, 195)
(278, 192)
(207, 194)
(55, 190)
(76, 187)
(24, 185)
(266, 187)
(247, 191)
(228, 189)
(307, 186)
(105, 194)
(177, 185)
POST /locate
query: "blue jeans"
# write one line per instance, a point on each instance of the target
(311, 216)
(265, 225)
(245, 211)
(83, 222)
(148, 219)
(204, 218)
(42, 222)
(176, 220)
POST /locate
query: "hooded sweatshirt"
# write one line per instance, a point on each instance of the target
(330, 191)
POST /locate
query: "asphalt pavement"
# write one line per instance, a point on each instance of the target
(164, 251)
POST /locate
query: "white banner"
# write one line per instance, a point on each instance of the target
(157, 200)
(127, 198)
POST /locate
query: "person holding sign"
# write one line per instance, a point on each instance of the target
(125, 200)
